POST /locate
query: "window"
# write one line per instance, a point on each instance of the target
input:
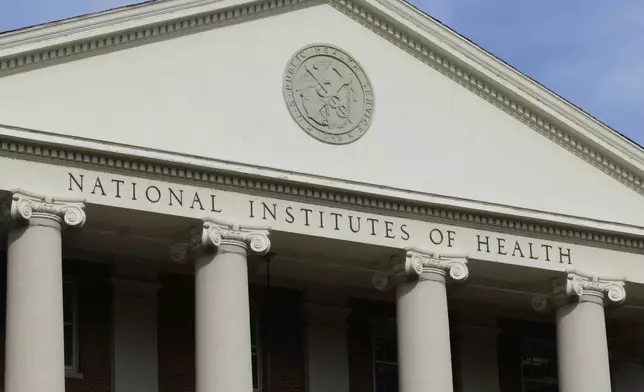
(538, 365)
(527, 354)
(255, 346)
(385, 364)
(70, 325)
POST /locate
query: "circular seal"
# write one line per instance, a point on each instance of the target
(328, 94)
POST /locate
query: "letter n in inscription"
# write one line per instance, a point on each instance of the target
(79, 184)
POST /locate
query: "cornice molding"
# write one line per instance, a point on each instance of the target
(113, 29)
(496, 70)
(170, 167)
(479, 76)
(409, 29)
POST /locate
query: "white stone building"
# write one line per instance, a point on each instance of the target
(305, 195)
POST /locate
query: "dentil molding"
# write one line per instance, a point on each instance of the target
(214, 232)
(26, 205)
(375, 17)
(147, 167)
(452, 67)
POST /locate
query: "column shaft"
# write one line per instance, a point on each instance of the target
(34, 353)
(582, 346)
(424, 357)
(223, 347)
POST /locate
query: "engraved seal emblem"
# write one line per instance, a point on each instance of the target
(328, 94)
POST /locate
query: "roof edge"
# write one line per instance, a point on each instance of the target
(402, 24)
(495, 69)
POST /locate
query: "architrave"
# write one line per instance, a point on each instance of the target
(129, 160)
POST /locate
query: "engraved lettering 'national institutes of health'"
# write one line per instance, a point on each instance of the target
(328, 94)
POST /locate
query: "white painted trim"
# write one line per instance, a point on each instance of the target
(513, 80)
(122, 151)
(414, 35)
(118, 20)
(109, 23)
(106, 23)
(396, 21)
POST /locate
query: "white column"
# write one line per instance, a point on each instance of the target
(582, 348)
(223, 348)
(34, 352)
(135, 335)
(327, 348)
(424, 357)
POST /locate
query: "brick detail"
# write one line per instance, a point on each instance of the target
(94, 327)
(176, 334)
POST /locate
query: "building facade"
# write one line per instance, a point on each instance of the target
(304, 195)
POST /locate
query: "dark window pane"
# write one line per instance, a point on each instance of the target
(255, 373)
(68, 302)
(386, 377)
(385, 365)
(69, 346)
(386, 350)
(539, 365)
(538, 387)
(253, 333)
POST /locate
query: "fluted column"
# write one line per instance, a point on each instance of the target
(34, 351)
(424, 355)
(222, 311)
(582, 347)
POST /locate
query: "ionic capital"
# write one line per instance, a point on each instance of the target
(581, 286)
(26, 205)
(213, 233)
(420, 264)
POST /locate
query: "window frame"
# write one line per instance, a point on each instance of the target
(73, 370)
(382, 328)
(515, 335)
(255, 319)
(535, 340)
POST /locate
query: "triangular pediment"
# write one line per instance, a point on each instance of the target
(206, 79)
